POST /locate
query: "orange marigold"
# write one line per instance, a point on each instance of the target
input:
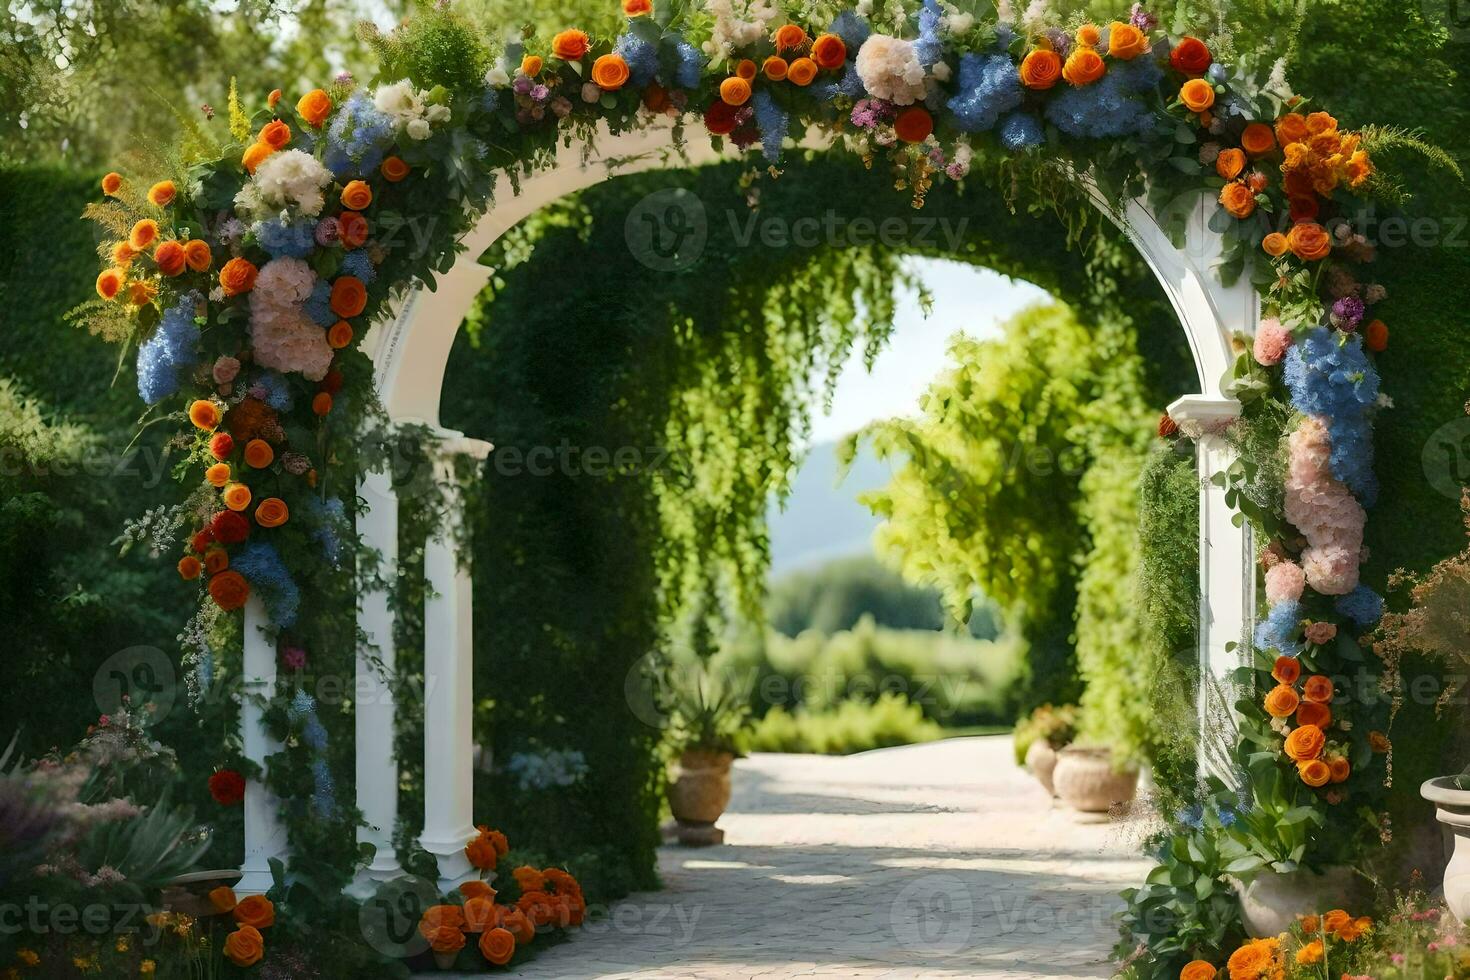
(169, 257)
(255, 153)
(790, 37)
(237, 276)
(162, 193)
(143, 234)
(802, 71)
(197, 255)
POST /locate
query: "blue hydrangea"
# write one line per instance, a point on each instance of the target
(853, 30)
(1329, 375)
(987, 85)
(358, 137)
(1275, 632)
(263, 569)
(314, 733)
(172, 347)
(204, 669)
(323, 796)
(929, 46)
(1112, 106)
(302, 704)
(547, 770)
(357, 263)
(1021, 131)
(318, 305)
(691, 66)
(772, 121)
(641, 56)
(490, 101)
(275, 392)
(329, 516)
(286, 241)
(1362, 605)
(848, 84)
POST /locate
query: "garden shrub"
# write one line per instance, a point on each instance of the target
(851, 726)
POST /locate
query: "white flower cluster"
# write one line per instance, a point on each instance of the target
(738, 23)
(890, 69)
(410, 109)
(287, 180)
(283, 337)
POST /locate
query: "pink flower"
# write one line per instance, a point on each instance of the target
(1320, 633)
(328, 232)
(294, 657)
(1284, 582)
(1272, 342)
(225, 370)
(1324, 511)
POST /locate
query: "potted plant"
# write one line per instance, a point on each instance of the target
(706, 719)
(1093, 779)
(1040, 736)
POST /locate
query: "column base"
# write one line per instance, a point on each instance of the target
(385, 867)
(254, 881)
(448, 850)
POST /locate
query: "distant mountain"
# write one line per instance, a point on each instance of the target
(822, 519)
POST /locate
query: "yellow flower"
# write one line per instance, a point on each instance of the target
(27, 956)
(146, 968)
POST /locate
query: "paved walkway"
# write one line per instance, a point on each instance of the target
(938, 860)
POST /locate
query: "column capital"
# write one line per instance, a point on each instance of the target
(1203, 414)
(451, 442)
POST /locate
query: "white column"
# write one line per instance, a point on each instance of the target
(449, 681)
(1227, 578)
(265, 834)
(377, 766)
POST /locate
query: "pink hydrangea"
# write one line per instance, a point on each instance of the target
(1325, 511)
(1272, 342)
(1284, 582)
(1320, 633)
(284, 338)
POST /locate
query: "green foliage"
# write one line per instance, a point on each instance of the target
(837, 595)
(1057, 725)
(852, 726)
(435, 46)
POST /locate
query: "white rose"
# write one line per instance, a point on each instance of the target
(864, 8)
(438, 113)
(497, 77)
(395, 99)
(940, 71)
(418, 129)
(960, 23)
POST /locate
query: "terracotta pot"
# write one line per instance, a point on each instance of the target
(1452, 807)
(445, 961)
(699, 794)
(1086, 780)
(1270, 902)
(1041, 760)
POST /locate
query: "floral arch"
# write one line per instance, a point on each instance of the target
(249, 268)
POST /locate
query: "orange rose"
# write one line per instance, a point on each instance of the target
(189, 568)
(354, 229)
(775, 68)
(481, 853)
(109, 283)
(1318, 688)
(828, 51)
(1286, 670)
(1257, 139)
(1190, 56)
(537, 906)
(790, 37)
(204, 414)
(1126, 42)
(223, 898)
(637, 8)
(340, 334)
(256, 911)
(1314, 772)
(1041, 68)
(1309, 241)
(514, 921)
(143, 235)
(1320, 122)
(1340, 769)
(216, 560)
(272, 512)
(1197, 969)
(218, 474)
(569, 45)
(440, 916)
(244, 946)
(802, 71)
(356, 195)
(254, 155)
(735, 91)
(314, 107)
(1281, 701)
(1335, 921)
(1237, 199)
(229, 590)
(237, 276)
(745, 69)
(111, 183)
(274, 97)
(349, 296)
(169, 257)
(497, 946)
(1274, 244)
(913, 125)
(1313, 713)
(610, 72)
(1197, 95)
(531, 65)
(529, 879)
(162, 193)
(1305, 743)
(446, 939)
(475, 888)
(393, 170)
(479, 914)
(321, 404)
(236, 496)
(274, 134)
(197, 255)
(1291, 128)
(1230, 163)
(1084, 66)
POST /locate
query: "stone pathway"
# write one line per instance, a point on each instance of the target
(938, 860)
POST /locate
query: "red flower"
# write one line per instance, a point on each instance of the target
(913, 125)
(332, 383)
(1190, 56)
(221, 445)
(229, 527)
(201, 540)
(227, 787)
(719, 118)
(1167, 426)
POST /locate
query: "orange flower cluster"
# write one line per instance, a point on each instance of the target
(1306, 945)
(1317, 762)
(246, 945)
(1259, 959)
(798, 58)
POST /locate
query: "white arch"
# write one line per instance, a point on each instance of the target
(411, 351)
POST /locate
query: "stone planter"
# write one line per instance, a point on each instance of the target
(1452, 807)
(189, 893)
(1270, 902)
(1041, 761)
(699, 794)
(1086, 780)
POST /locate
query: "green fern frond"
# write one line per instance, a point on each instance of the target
(108, 320)
(115, 216)
(195, 143)
(1381, 139)
(239, 118)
